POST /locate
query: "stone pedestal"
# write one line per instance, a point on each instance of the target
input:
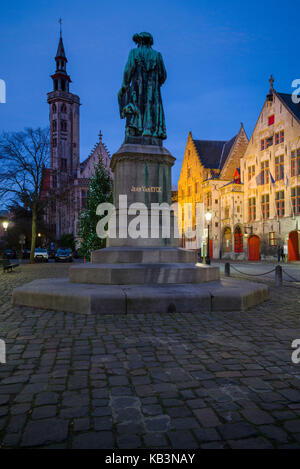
(143, 174)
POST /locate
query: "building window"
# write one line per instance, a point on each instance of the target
(266, 143)
(269, 142)
(196, 187)
(54, 142)
(54, 125)
(63, 126)
(252, 209)
(54, 108)
(265, 206)
(279, 137)
(279, 167)
(63, 165)
(83, 199)
(272, 238)
(279, 200)
(226, 212)
(271, 120)
(295, 162)
(296, 200)
(208, 200)
(251, 172)
(63, 108)
(265, 172)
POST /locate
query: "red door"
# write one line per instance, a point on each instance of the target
(253, 248)
(293, 246)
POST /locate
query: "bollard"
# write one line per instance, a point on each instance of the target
(227, 269)
(199, 257)
(278, 276)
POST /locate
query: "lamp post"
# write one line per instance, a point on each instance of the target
(207, 258)
(5, 225)
(246, 232)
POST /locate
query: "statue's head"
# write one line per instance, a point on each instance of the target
(145, 39)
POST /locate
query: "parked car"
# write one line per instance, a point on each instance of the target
(10, 254)
(63, 255)
(41, 255)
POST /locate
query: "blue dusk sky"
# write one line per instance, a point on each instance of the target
(218, 55)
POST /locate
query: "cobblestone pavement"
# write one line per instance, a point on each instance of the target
(215, 380)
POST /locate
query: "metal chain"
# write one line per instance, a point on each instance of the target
(252, 275)
(293, 278)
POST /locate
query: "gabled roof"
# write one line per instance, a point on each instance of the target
(213, 153)
(287, 100)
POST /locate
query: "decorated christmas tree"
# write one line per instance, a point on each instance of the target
(100, 191)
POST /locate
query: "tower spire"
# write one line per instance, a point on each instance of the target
(61, 78)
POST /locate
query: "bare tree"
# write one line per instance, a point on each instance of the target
(23, 157)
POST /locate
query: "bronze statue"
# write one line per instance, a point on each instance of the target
(139, 97)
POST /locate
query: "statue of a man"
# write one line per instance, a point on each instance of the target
(139, 97)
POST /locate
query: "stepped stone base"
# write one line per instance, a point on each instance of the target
(62, 295)
(142, 255)
(136, 274)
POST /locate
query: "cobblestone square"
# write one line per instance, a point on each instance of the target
(209, 380)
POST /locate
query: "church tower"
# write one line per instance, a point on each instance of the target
(64, 134)
(64, 119)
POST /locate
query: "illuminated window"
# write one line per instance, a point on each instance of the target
(279, 200)
(251, 172)
(208, 200)
(265, 172)
(279, 167)
(279, 137)
(296, 200)
(265, 206)
(252, 209)
(295, 162)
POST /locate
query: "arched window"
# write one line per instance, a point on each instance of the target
(54, 108)
(64, 108)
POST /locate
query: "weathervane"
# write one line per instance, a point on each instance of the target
(60, 23)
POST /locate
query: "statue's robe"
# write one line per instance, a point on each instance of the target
(141, 104)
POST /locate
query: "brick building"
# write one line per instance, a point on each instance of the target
(252, 188)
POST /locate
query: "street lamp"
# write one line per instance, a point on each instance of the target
(207, 258)
(5, 225)
(246, 232)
